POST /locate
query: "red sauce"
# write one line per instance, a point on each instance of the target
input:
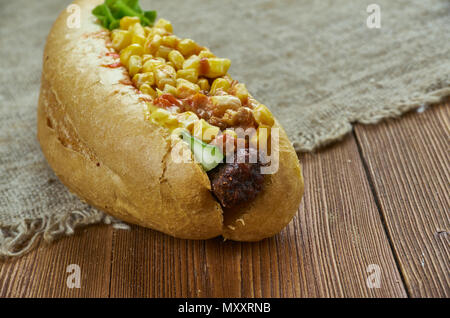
(97, 34)
(197, 101)
(126, 81)
(167, 100)
(146, 99)
(204, 66)
(113, 54)
(113, 65)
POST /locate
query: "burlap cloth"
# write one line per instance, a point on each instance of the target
(315, 63)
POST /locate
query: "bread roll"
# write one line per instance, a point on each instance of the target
(94, 133)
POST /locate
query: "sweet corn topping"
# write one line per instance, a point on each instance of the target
(127, 22)
(220, 84)
(133, 49)
(164, 118)
(263, 116)
(189, 85)
(190, 74)
(187, 47)
(120, 39)
(176, 58)
(204, 131)
(134, 65)
(144, 78)
(187, 120)
(186, 88)
(164, 24)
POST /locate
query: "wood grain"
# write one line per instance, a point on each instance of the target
(43, 272)
(408, 163)
(389, 209)
(340, 233)
(324, 252)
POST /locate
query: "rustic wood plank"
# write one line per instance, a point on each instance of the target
(324, 252)
(43, 272)
(409, 167)
(339, 231)
(147, 263)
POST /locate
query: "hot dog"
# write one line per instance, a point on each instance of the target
(153, 130)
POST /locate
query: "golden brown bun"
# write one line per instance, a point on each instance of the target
(93, 132)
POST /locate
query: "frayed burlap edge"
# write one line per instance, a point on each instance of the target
(342, 128)
(21, 237)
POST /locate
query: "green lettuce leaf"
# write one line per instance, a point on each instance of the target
(110, 13)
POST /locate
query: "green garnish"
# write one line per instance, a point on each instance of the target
(208, 156)
(110, 13)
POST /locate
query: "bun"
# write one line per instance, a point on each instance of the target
(93, 131)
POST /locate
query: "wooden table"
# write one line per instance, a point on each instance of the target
(377, 200)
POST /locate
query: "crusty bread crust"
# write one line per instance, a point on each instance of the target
(93, 132)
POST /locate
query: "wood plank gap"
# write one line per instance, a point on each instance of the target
(111, 263)
(380, 211)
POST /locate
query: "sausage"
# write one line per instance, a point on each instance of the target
(237, 182)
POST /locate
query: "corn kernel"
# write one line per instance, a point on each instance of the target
(169, 89)
(147, 89)
(186, 88)
(146, 57)
(152, 44)
(147, 30)
(187, 120)
(138, 34)
(241, 92)
(220, 84)
(151, 107)
(164, 24)
(192, 62)
(263, 116)
(144, 78)
(151, 65)
(137, 29)
(164, 118)
(176, 58)
(206, 54)
(127, 22)
(187, 47)
(204, 131)
(120, 39)
(134, 65)
(190, 74)
(204, 84)
(163, 51)
(217, 67)
(228, 78)
(138, 39)
(164, 74)
(160, 115)
(133, 49)
(172, 123)
(171, 64)
(170, 41)
(226, 102)
(159, 31)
